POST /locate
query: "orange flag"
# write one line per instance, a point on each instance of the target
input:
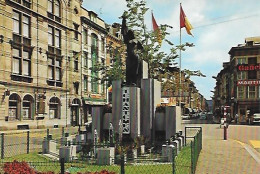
(184, 22)
(156, 29)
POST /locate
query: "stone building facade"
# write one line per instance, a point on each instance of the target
(47, 53)
(238, 84)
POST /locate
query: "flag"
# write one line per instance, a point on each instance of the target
(184, 22)
(157, 31)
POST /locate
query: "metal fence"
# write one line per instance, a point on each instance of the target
(193, 138)
(21, 142)
(26, 146)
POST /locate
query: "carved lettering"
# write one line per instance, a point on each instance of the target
(126, 111)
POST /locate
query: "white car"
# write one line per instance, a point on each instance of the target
(255, 118)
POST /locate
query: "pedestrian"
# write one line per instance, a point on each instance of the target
(221, 122)
(236, 118)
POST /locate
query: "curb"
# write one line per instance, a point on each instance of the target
(250, 150)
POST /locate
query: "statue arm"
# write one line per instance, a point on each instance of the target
(139, 46)
(124, 29)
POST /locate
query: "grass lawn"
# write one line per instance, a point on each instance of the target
(183, 161)
(44, 164)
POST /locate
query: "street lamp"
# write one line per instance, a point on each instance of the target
(111, 134)
(120, 131)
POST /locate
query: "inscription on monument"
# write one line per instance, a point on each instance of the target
(126, 111)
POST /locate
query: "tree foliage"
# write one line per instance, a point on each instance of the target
(160, 64)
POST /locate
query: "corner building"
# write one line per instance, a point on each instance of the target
(238, 83)
(245, 77)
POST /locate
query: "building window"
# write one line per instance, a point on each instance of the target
(251, 91)
(54, 57)
(240, 92)
(85, 59)
(76, 32)
(241, 75)
(14, 107)
(94, 59)
(85, 36)
(54, 108)
(54, 37)
(252, 61)
(54, 69)
(27, 107)
(241, 61)
(103, 45)
(26, 3)
(76, 87)
(85, 83)
(111, 55)
(76, 60)
(252, 75)
(93, 17)
(21, 62)
(76, 64)
(54, 10)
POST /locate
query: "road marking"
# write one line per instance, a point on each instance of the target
(255, 143)
(250, 150)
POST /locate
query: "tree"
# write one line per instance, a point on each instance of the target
(156, 59)
(160, 64)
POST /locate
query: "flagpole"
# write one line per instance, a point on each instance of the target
(180, 68)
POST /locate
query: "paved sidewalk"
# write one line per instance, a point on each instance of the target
(225, 157)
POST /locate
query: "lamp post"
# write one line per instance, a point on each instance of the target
(120, 131)
(95, 141)
(111, 130)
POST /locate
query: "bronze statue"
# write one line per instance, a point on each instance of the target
(133, 64)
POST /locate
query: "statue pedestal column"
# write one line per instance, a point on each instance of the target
(131, 111)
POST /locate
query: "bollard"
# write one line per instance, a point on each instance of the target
(28, 142)
(48, 132)
(225, 132)
(122, 164)
(62, 131)
(173, 160)
(2, 146)
(62, 166)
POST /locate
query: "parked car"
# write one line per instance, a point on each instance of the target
(255, 118)
(203, 116)
(185, 117)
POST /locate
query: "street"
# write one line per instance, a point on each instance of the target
(238, 154)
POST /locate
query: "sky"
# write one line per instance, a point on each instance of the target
(218, 26)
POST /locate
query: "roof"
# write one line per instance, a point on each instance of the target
(254, 39)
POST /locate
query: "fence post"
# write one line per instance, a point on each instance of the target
(28, 141)
(195, 150)
(185, 136)
(200, 139)
(192, 156)
(48, 133)
(2, 145)
(62, 131)
(122, 164)
(173, 160)
(62, 166)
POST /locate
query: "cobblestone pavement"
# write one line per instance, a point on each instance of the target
(220, 156)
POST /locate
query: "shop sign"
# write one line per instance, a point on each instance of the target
(96, 96)
(165, 100)
(245, 67)
(126, 110)
(248, 82)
